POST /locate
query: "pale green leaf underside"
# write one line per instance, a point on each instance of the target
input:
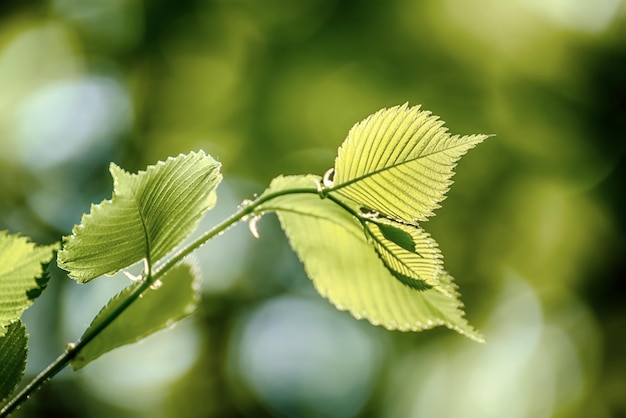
(156, 309)
(20, 266)
(148, 215)
(13, 352)
(346, 269)
(399, 162)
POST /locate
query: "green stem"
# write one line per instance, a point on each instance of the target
(247, 210)
(148, 278)
(72, 350)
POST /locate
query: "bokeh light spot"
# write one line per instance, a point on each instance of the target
(304, 359)
(66, 119)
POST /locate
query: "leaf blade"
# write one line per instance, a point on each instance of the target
(346, 269)
(13, 353)
(157, 309)
(399, 162)
(21, 264)
(148, 215)
(418, 267)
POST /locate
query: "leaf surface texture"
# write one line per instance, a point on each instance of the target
(416, 263)
(13, 352)
(176, 298)
(21, 271)
(148, 215)
(399, 162)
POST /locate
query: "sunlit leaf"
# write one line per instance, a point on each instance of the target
(397, 235)
(21, 275)
(399, 162)
(149, 214)
(347, 269)
(418, 267)
(157, 308)
(13, 352)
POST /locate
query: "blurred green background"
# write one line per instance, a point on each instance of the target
(533, 228)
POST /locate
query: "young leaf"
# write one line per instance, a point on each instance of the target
(160, 308)
(149, 214)
(346, 268)
(399, 162)
(20, 267)
(13, 352)
(418, 267)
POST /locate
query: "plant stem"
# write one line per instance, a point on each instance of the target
(73, 349)
(148, 278)
(245, 211)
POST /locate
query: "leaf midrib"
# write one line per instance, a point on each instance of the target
(391, 167)
(144, 227)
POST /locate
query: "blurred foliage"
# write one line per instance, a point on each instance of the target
(533, 230)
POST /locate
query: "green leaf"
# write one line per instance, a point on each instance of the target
(347, 269)
(21, 275)
(399, 162)
(176, 298)
(398, 236)
(149, 214)
(418, 267)
(13, 352)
